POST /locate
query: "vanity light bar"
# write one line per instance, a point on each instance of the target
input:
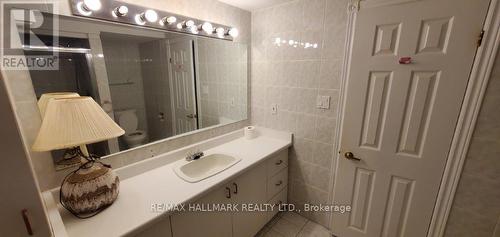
(121, 12)
(55, 49)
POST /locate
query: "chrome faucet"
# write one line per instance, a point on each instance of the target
(190, 156)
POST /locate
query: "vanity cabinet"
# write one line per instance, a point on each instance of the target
(205, 223)
(159, 229)
(256, 186)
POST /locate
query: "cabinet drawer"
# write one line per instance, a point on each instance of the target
(277, 183)
(280, 198)
(277, 163)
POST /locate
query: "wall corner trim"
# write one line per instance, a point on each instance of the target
(478, 81)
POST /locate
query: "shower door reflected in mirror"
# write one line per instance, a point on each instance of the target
(154, 84)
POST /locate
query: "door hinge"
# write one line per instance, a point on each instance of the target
(355, 5)
(480, 38)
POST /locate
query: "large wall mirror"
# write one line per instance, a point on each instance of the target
(154, 84)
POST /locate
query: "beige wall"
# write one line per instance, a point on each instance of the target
(19, 83)
(292, 78)
(476, 208)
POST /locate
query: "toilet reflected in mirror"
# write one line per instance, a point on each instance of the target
(133, 137)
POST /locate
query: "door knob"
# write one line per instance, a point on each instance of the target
(349, 155)
(161, 116)
(191, 116)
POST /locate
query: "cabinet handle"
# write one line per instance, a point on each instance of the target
(27, 222)
(279, 183)
(228, 194)
(235, 188)
(279, 162)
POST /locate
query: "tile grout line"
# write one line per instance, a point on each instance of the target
(302, 228)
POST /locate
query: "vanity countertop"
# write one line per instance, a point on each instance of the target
(153, 181)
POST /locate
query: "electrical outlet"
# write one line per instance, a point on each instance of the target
(323, 102)
(274, 109)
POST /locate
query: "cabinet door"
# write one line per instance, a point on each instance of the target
(194, 224)
(160, 229)
(277, 200)
(251, 189)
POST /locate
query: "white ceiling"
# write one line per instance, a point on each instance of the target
(252, 5)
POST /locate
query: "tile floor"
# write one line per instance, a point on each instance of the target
(291, 224)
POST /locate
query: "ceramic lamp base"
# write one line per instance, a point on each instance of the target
(71, 158)
(90, 189)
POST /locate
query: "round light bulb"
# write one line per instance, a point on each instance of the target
(139, 19)
(207, 27)
(179, 26)
(120, 11)
(189, 23)
(233, 32)
(171, 19)
(82, 9)
(92, 5)
(193, 29)
(151, 15)
(168, 20)
(220, 32)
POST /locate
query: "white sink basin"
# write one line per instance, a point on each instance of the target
(209, 165)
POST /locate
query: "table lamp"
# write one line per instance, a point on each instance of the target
(71, 156)
(75, 122)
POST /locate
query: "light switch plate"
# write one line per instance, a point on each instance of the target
(323, 102)
(274, 108)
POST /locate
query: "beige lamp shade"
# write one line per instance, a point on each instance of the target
(44, 99)
(74, 121)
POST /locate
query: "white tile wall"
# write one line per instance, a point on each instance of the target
(222, 71)
(123, 65)
(292, 77)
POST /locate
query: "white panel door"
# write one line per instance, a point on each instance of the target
(399, 119)
(182, 66)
